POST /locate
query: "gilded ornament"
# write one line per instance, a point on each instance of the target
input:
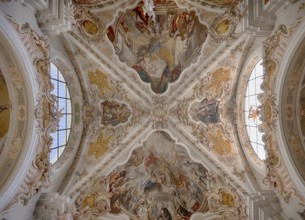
(100, 80)
(222, 27)
(216, 82)
(219, 143)
(90, 27)
(100, 146)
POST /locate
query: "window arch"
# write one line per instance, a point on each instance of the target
(61, 136)
(252, 109)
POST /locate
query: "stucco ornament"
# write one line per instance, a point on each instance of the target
(93, 201)
(277, 175)
(38, 49)
(16, 78)
(86, 24)
(224, 199)
(223, 27)
(159, 113)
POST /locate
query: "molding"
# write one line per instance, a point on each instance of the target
(264, 205)
(281, 138)
(37, 4)
(54, 206)
(260, 18)
(52, 15)
(27, 81)
(281, 174)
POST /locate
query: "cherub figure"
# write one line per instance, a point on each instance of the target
(254, 112)
(149, 9)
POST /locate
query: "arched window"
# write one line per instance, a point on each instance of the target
(60, 137)
(253, 110)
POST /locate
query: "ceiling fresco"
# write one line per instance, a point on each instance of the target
(159, 81)
(204, 111)
(158, 94)
(159, 181)
(159, 47)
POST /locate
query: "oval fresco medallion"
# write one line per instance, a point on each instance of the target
(158, 41)
(222, 27)
(90, 27)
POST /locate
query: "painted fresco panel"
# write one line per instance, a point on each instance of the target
(159, 181)
(204, 111)
(159, 47)
(114, 113)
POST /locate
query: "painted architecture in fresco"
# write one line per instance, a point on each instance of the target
(159, 47)
(159, 181)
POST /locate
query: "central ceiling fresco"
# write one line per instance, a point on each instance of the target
(158, 80)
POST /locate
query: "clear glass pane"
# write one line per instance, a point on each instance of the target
(69, 119)
(60, 77)
(54, 91)
(53, 156)
(54, 143)
(252, 100)
(260, 138)
(261, 152)
(251, 87)
(69, 110)
(61, 150)
(259, 68)
(62, 90)
(68, 94)
(53, 71)
(68, 134)
(62, 105)
(62, 123)
(259, 81)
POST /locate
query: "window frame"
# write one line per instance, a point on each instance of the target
(63, 101)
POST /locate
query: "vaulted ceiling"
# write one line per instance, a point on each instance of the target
(157, 90)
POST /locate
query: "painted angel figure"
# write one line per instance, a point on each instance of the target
(149, 9)
(254, 112)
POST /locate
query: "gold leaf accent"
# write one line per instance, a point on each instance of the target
(100, 79)
(220, 145)
(218, 78)
(89, 201)
(227, 199)
(99, 147)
